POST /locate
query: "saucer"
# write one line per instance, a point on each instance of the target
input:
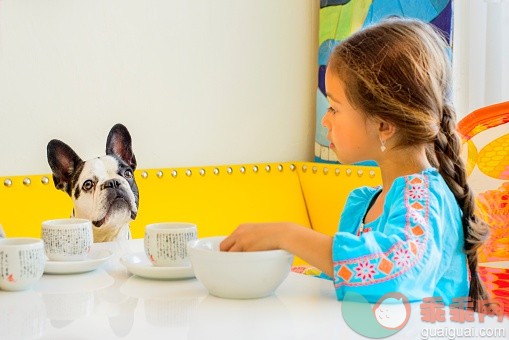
(138, 264)
(94, 259)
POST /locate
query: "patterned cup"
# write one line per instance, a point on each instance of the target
(166, 243)
(67, 239)
(21, 262)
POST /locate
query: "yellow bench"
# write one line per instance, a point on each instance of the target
(216, 198)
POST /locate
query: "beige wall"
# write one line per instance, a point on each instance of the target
(196, 82)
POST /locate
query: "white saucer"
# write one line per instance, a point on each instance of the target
(95, 258)
(138, 264)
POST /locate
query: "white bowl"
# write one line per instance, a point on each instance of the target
(238, 275)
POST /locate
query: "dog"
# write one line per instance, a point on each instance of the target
(102, 189)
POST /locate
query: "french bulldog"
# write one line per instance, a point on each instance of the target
(102, 189)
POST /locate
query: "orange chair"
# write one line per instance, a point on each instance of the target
(485, 134)
(487, 129)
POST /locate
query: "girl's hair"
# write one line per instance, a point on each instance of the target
(399, 71)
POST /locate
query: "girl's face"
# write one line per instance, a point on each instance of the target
(352, 136)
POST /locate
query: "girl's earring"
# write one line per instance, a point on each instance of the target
(382, 147)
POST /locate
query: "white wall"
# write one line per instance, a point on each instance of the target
(196, 82)
(481, 53)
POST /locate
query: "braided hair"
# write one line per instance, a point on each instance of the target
(452, 168)
(399, 71)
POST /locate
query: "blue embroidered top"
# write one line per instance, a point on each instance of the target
(414, 247)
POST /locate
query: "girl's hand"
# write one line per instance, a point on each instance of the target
(255, 236)
(313, 247)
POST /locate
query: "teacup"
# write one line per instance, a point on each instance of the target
(166, 243)
(21, 262)
(67, 239)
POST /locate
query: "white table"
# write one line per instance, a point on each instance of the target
(110, 303)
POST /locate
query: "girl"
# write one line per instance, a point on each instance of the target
(388, 87)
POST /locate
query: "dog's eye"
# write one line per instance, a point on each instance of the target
(128, 174)
(87, 185)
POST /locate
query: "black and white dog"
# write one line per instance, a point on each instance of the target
(102, 189)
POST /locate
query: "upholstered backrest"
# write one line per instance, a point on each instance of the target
(326, 187)
(217, 199)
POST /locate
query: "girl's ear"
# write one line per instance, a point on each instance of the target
(386, 130)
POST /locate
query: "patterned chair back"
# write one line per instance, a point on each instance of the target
(485, 135)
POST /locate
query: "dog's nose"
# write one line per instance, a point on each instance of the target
(112, 183)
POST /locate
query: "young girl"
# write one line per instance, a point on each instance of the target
(388, 87)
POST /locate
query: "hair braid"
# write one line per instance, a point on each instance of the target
(452, 168)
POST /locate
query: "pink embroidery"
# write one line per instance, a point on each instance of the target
(404, 255)
(365, 270)
(416, 191)
(417, 217)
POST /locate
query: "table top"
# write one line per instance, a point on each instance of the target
(111, 303)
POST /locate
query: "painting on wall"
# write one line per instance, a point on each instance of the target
(340, 18)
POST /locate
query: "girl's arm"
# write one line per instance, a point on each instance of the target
(313, 247)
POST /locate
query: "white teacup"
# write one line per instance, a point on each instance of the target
(21, 262)
(166, 243)
(67, 239)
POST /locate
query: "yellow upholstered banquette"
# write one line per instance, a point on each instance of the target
(216, 198)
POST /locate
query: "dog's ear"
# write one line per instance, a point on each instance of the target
(119, 144)
(63, 162)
